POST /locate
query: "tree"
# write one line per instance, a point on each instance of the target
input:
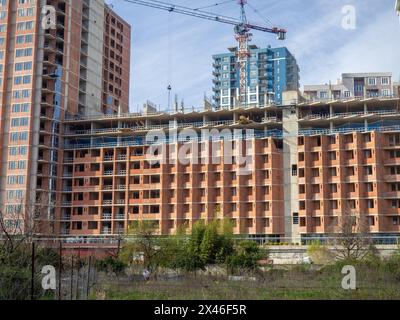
(353, 240)
(145, 246)
(19, 226)
(111, 265)
(211, 243)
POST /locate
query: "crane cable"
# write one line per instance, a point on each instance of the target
(266, 20)
(214, 5)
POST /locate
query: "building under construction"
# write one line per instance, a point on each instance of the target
(311, 163)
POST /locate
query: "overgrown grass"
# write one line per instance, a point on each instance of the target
(294, 283)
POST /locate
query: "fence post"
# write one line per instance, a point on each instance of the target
(60, 271)
(88, 278)
(33, 271)
(78, 266)
(72, 278)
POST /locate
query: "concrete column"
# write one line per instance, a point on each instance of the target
(290, 158)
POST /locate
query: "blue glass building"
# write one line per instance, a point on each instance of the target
(271, 71)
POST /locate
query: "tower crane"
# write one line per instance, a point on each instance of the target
(242, 30)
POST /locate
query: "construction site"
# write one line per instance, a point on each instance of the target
(315, 155)
(265, 190)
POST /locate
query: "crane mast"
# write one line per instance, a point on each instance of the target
(243, 37)
(242, 33)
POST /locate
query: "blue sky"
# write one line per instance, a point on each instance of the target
(177, 49)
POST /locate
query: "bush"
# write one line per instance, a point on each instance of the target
(111, 265)
(245, 258)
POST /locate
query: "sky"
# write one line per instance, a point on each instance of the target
(169, 48)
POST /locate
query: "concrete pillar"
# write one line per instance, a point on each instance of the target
(290, 158)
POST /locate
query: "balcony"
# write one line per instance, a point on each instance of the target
(106, 216)
(66, 217)
(122, 157)
(392, 195)
(106, 231)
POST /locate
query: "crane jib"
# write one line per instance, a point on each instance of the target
(206, 15)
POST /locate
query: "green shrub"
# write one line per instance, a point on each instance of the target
(245, 258)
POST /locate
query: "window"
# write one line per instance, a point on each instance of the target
(372, 81)
(19, 122)
(26, 80)
(295, 218)
(359, 88)
(17, 165)
(324, 95)
(18, 66)
(21, 39)
(385, 81)
(347, 94)
(368, 154)
(17, 80)
(23, 52)
(18, 107)
(294, 170)
(15, 179)
(368, 170)
(385, 92)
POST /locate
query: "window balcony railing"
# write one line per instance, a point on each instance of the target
(106, 216)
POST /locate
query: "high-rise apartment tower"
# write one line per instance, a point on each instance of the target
(57, 57)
